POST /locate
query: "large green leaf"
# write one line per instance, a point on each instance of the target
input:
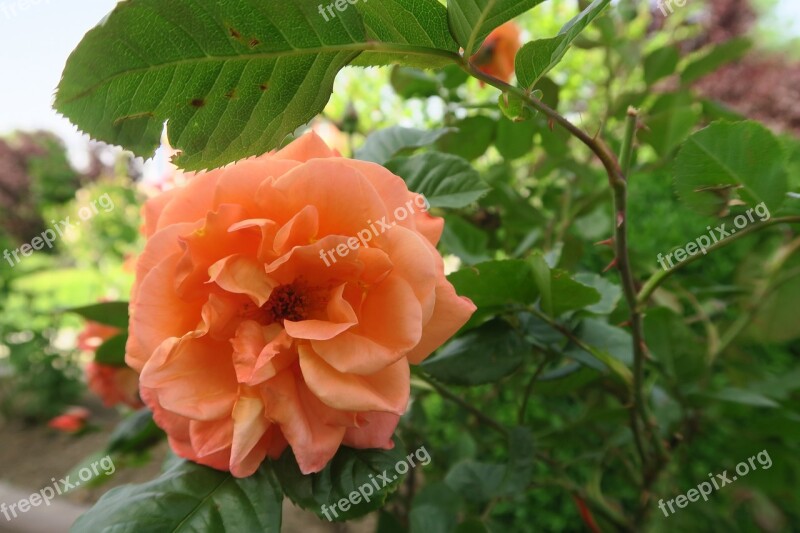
(496, 284)
(232, 79)
(537, 58)
(661, 63)
(745, 156)
(189, 497)
(135, 433)
(559, 292)
(445, 180)
(464, 240)
(112, 351)
(384, 144)
(350, 472)
(515, 139)
(412, 22)
(471, 21)
(482, 355)
(472, 137)
(108, 313)
(714, 57)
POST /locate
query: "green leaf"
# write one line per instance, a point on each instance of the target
(135, 432)
(742, 155)
(479, 481)
(715, 56)
(744, 397)
(112, 351)
(520, 465)
(445, 180)
(608, 345)
(348, 471)
(496, 284)
(559, 292)
(414, 83)
(384, 144)
(233, 79)
(670, 119)
(464, 240)
(108, 313)
(410, 22)
(471, 21)
(610, 293)
(434, 509)
(189, 497)
(674, 346)
(661, 63)
(515, 139)
(537, 58)
(482, 355)
(476, 481)
(472, 137)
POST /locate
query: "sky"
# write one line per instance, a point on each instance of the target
(36, 37)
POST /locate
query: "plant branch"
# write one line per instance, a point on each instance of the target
(480, 415)
(661, 275)
(596, 145)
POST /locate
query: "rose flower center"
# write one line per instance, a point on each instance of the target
(287, 302)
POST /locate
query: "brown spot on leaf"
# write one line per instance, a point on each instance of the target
(235, 34)
(264, 86)
(198, 102)
(254, 42)
(230, 95)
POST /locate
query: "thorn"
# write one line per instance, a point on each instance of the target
(625, 324)
(551, 124)
(608, 242)
(620, 219)
(611, 265)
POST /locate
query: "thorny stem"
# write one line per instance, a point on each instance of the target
(617, 171)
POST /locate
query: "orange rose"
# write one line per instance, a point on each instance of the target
(496, 55)
(245, 338)
(114, 385)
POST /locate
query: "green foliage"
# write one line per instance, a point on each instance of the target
(445, 180)
(723, 159)
(348, 471)
(537, 58)
(190, 497)
(482, 355)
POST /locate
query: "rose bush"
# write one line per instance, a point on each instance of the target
(246, 340)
